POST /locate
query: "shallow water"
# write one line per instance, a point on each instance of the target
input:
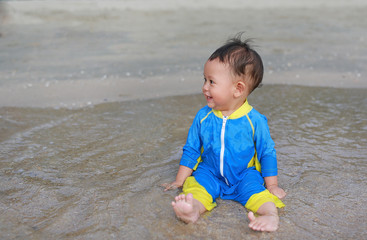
(52, 56)
(95, 172)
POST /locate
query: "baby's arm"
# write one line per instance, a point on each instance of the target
(182, 174)
(272, 185)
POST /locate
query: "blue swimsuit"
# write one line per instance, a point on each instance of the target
(230, 155)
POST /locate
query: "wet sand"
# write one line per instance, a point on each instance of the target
(96, 100)
(95, 172)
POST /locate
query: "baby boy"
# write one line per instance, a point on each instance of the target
(229, 152)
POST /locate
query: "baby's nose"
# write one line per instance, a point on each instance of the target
(205, 86)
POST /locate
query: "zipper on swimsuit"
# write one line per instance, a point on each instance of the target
(222, 147)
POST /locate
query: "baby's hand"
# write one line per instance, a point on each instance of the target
(277, 191)
(170, 186)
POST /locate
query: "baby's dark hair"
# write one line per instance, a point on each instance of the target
(244, 61)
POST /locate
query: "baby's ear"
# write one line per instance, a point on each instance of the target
(240, 88)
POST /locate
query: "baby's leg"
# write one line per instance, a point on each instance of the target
(187, 208)
(268, 219)
(194, 201)
(254, 196)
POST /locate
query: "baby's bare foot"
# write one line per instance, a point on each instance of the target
(267, 223)
(185, 208)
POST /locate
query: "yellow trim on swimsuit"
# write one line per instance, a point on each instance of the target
(198, 192)
(258, 199)
(254, 161)
(240, 112)
(199, 160)
(201, 121)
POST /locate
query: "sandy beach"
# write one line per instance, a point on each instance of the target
(72, 54)
(96, 99)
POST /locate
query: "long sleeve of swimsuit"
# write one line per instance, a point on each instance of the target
(191, 150)
(265, 147)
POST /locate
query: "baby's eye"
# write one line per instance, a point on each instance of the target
(210, 81)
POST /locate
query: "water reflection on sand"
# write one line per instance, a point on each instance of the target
(95, 173)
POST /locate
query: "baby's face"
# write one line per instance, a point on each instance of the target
(219, 85)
